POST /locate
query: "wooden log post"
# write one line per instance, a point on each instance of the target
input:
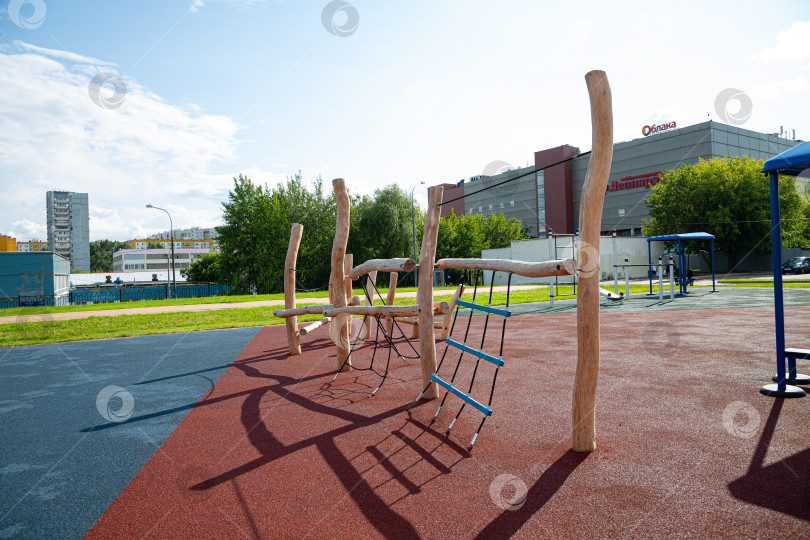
(389, 300)
(369, 297)
(424, 294)
(293, 341)
(341, 322)
(590, 220)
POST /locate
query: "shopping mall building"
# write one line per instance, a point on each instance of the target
(549, 199)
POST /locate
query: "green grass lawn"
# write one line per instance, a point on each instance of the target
(90, 328)
(136, 325)
(39, 310)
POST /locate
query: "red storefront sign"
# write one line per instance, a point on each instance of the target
(642, 180)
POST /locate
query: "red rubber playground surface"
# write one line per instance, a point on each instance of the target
(686, 444)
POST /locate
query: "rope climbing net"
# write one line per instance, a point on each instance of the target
(454, 386)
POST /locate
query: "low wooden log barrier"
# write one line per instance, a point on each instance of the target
(314, 326)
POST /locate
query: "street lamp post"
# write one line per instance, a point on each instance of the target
(413, 224)
(171, 236)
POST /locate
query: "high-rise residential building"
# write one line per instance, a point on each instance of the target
(69, 227)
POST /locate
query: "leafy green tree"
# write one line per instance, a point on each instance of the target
(101, 254)
(154, 245)
(257, 221)
(728, 198)
(205, 268)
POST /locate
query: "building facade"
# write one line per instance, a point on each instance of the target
(69, 227)
(136, 260)
(32, 245)
(8, 243)
(547, 197)
(34, 279)
(210, 245)
(193, 233)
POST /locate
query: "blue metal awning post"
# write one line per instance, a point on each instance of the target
(779, 311)
(781, 388)
(713, 287)
(682, 269)
(649, 263)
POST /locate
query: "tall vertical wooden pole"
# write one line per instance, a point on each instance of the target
(424, 294)
(293, 340)
(590, 221)
(338, 275)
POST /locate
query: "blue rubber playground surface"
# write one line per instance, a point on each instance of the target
(67, 450)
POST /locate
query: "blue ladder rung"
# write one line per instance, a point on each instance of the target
(475, 352)
(488, 309)
(453, 390)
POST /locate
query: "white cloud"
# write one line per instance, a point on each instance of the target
(791, 44)
(25, 229)
(53, 136)
(581, 30)
(63, 55)
(197, 4)
(774, 89)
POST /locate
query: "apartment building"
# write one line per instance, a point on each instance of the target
(69, 227)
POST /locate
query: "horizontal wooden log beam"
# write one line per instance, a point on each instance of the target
(382, 311)
(303, 310)
(314, 325)
(559, 267)
(383, 265)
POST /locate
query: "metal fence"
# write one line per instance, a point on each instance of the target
(117, 294)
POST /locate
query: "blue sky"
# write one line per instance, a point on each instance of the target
(418, 91)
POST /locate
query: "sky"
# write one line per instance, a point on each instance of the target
(163, 102)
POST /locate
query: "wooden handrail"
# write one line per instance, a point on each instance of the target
(383, 265)
(559, 267)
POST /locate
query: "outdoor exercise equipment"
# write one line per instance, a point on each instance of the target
(791, 162)
(683, 262)
(588, 293)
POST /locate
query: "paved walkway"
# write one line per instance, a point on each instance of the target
(199, 307)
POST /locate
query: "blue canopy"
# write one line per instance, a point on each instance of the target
(683, 271)
(683, 236)
(790, 162)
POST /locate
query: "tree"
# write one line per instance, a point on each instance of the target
(205, 268)
(466, 236)
(257, 221)
(101, 254)
(728, 198)
(154, 245)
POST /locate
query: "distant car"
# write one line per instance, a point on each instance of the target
(796, 265)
